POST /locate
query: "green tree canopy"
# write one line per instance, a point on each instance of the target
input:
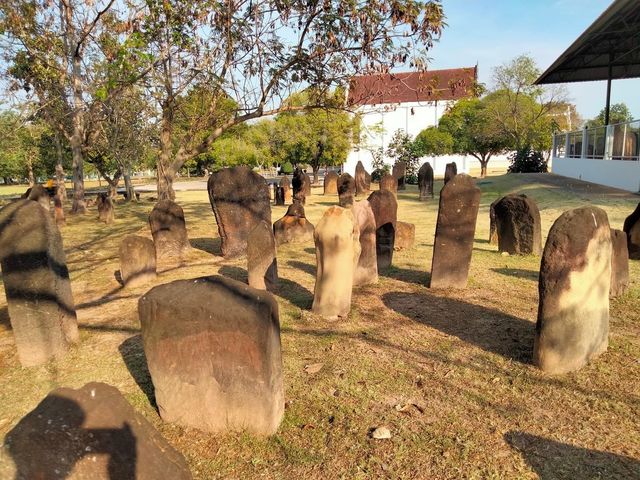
(618, 113)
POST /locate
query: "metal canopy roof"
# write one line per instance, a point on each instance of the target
(608, 49)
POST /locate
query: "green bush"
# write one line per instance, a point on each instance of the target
(286, 168)
(527, 160)
(377, 174)
(411, 179)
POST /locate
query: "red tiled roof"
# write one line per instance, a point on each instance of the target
(428, 86)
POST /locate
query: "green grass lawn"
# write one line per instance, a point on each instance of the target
(448, 372)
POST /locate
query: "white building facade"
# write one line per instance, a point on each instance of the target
(410, 102)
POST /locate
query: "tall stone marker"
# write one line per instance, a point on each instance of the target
(367, 269)
(362, 183)
(39, 194)
(240, 200)
(137, 260)
(90, 433)
(301, 186)
(493, 227)
(450, 171)
(385, 210)
(399, 173)
(518, 225)
(331, 183)
(213, 349)
(632, 229)
(293, 227)
(346, 190)
(262, 265)
(425, 181)
(36, 283)
(169, 230)
(285, 183)
(389, 183)
(337, 253)
(619, 263)
(106, 212)
(278, 195)
(575, 277)
(455, 229)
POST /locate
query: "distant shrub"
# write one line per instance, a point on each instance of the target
(411, 179)
(527, 160)
(286, 168)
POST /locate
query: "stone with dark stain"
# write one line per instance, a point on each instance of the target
(619, 263)
(262, 265)
(293, 227)
(455, 230)
(632, 229)
(518, 227)
(213, 349)
(574, 284)
(137, 260)
(36, 283)
(367, 269)
(169, 231)
(362, 179)
(346, 190)
(385, 210)
(399, 172)
(425, 181)
(240, 200)
(450, 171)
(389, 183)
(331, 183)
(106, 211)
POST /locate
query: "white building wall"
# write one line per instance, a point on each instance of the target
(613, 173)
(380, 122)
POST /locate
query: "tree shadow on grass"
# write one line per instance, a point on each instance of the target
(235, 273)
(407, 275)
(132, 353)
(305, 267)
(311, 250)
(489, 329)
(553, 460)
(5, 321)
(208, 245)
(518, 273)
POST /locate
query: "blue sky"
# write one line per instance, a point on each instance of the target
(492, 32)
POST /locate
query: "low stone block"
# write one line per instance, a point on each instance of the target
(137, 260)
(619, 263)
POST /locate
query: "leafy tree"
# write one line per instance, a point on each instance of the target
(618, 113)
(315, 137)
(402, 149)
(472, 132)
(70, 55)
(20, 148)
(521, 110)
(433, 141)
(256, 52)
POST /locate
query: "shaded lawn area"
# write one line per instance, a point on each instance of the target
(448, 372)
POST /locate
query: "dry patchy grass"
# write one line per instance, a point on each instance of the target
(448, 372)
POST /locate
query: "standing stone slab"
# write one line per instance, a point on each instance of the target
(346, 190)
(389, 183)
(105, 208)
(337, 254)
(169, 230)
(331, 183)
(385, 210)
(278, 195)
(240, 200)
(213, 349)
(493, 227)
(36, 283)
(399, 173)
(632, 229)
(58, 211)
(137, 260)
(575, 277)
(39, 194)
(293, 227)
(518, 225)
(450, 171)
(619, 263)
(425, 181)
(367, 269)
(362, 183)
(301, 186)
(285, 183)
(90, 433)
(405, 235)
(262, 265)
(455, 229)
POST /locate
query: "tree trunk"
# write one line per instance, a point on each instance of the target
(316, 169)
(61, 191)
(78, 205)
(30, 176)
(483, 168)
(130, 194)
(165, 170)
